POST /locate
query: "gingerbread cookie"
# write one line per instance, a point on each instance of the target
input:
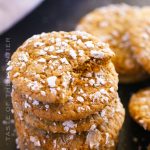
(46, 66)
(140, 37)
(70, 126)
(64, 93)
(92, 94)
(139, 108)
(111, 24)
(103, 137)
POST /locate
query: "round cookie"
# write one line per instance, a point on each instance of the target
(97, 98)
(101, 89)
(46, 65)
(111, 24)
(139, 108)
(70, 126)
(104, 136)
(61, 114)
(140, 39)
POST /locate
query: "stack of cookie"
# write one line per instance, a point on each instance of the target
(65, 93)
(126, 29)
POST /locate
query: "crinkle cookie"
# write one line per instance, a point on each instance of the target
(70, 126)
(71, 110)
(95, 90)
(104, 136)
(47, 66)
(140, 39)
(65, 93)
(139, 108)
(111, 24)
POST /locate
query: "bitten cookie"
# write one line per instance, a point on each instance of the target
(111, 24)
(139, 108)
(64, 93)
(47, 66)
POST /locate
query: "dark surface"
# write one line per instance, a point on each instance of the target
(60, 15)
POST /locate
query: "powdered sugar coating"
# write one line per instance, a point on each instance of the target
(83, 100)
(140, 33)
(43, 61)
(139, 108)
(103, 136)
(114, 29)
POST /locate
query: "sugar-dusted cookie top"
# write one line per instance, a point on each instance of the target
(111, 24)
(46, 65)
(91, 93)
(139, 108)
(140, 39)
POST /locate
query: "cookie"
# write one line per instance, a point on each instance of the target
(64, 93)
(46, 65)
(103, 137)
(60, 112)
(111, 24)
(139, 108)
(71, 110)
(94, 91)
(70, 126)
(34, 139)
(140, 37)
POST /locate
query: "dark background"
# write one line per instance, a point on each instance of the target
(60, 15)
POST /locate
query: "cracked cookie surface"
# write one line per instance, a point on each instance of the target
(104, 136)
(140, 37)
(139, 108)
(111, 24)
(70, 126)
(89, 99)
(46, 65)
